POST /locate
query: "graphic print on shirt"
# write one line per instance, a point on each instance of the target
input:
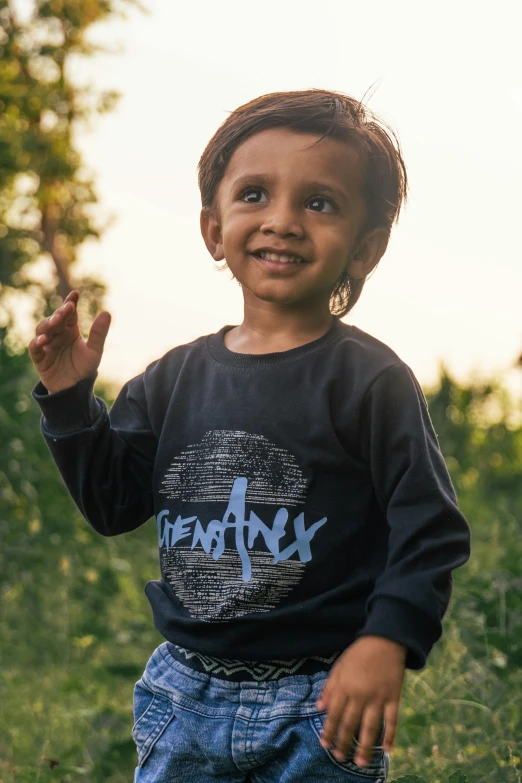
(222, 558)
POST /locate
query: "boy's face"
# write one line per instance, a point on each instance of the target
(281, 197)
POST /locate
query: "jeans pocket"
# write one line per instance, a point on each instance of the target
(377, 769)
(152, 714)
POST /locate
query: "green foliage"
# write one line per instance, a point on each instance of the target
(481, 435)
(465, 709)
(46, 191)
(75, 627)
(76, 631)
(408, 779)
(457, 777)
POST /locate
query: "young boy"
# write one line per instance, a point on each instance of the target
(307, 524)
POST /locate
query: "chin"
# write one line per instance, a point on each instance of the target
(277, 297)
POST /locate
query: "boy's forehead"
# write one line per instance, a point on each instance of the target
(282, 152)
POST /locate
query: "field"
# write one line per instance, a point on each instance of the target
(75, 627)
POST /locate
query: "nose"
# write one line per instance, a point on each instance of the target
(283, 220)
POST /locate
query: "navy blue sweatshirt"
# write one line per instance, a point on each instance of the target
(301, 499)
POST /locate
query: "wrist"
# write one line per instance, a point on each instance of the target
(53, 387)
(391, 644)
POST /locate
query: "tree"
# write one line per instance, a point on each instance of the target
(49, 559)
(46, 191)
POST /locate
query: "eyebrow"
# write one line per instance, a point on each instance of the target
(249, 179)
(322, 186)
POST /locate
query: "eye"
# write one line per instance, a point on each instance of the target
(321, 204)
(254, 196)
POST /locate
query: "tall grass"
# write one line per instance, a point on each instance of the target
(76, 631)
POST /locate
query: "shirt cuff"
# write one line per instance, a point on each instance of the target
(70, 410)
(403, 623)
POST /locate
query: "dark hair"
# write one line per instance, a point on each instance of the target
(326, 114)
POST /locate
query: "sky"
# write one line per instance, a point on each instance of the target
(446, 76)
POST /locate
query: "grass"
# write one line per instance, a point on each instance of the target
(76, 629)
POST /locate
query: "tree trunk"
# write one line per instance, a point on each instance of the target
(52, 244)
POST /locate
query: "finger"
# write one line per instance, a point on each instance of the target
(335, 712)
(43, 326)
(46, 347)
(369, 734)
(43, 351)
(324, 699)
(49, 324)
(347, 728)
(53, 330)
(70, 308)
(58, 320)
(70, 313)
(35, 348)
(98, 332)
(72, 296)
(58, 323)
(391, 719)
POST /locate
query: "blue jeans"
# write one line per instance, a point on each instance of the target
(194, 728)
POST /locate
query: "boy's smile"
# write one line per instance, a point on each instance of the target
(289, 218)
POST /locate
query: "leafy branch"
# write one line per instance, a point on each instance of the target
(47, 194)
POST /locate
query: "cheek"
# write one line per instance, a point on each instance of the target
(339, 244)
(337, 237)
(236, 232)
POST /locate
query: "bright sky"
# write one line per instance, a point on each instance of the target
(450, 285)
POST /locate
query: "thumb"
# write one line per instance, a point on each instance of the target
(98, 332)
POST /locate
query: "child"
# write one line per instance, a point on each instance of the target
(307, 524)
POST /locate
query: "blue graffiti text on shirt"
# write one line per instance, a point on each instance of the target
(213, 538)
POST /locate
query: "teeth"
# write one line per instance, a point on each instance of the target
(282, 259)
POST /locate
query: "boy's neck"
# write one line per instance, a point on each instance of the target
(268, 329)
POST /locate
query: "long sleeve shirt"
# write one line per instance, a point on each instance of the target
(301, 499)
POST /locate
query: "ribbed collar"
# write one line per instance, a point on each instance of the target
(218, 349)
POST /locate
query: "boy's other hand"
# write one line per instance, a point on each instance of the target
(364, 684)
(60, 354)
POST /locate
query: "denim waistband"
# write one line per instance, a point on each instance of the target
(203, 694)
(208, 695)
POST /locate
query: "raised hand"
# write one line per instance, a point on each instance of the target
(60, 354)
(364, 685)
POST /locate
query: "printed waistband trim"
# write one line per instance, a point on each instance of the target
(255, 671)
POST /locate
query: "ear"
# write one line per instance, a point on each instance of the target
(368, 252)
(211, 233)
